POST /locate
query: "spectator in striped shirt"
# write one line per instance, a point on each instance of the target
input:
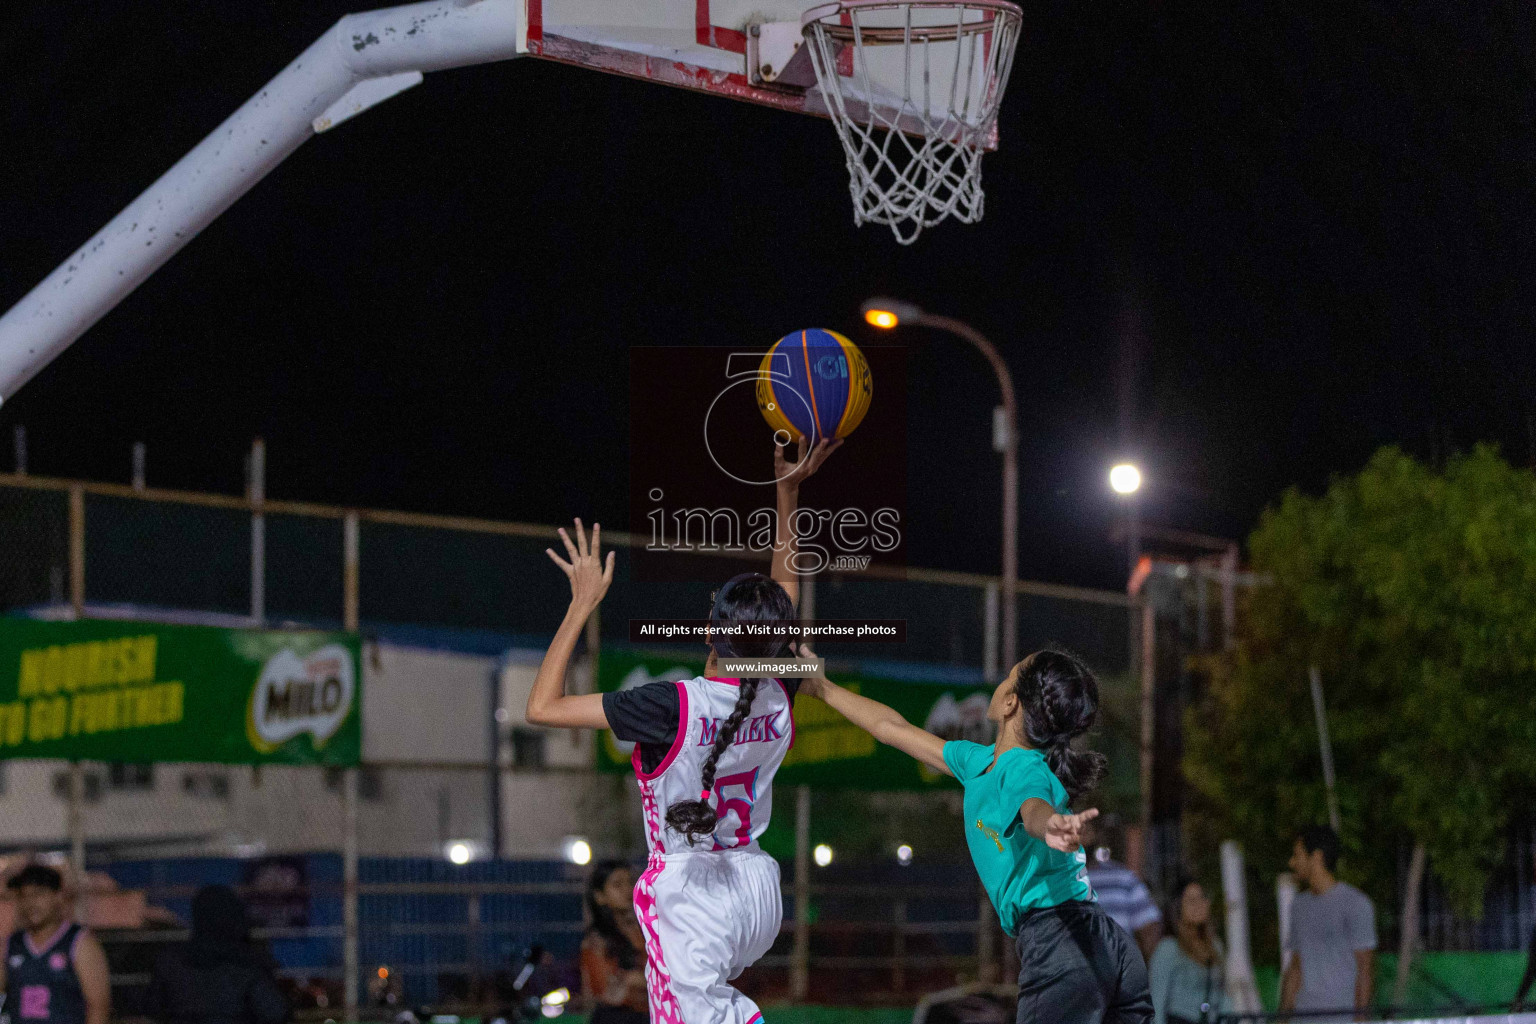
(1124, 896)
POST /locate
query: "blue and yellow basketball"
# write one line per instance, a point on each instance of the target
(814, 383)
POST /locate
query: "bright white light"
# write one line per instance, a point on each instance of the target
(559, 997)
(1125, 478)
(903, 855)
(822, 855)
(578, 851)
(460, 853)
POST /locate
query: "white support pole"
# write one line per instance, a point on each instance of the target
(75, 811)
(1408, 940)
(306, 96)
(1325, 745)
(1285, 895)
(76, 826)
(991, 634)
(1151, 855)
(256, 491)
(349, 961)
(1242, 992)
(350, 543)
(1229, 598)
(1202, 609)
(77, 551)
(800, 956)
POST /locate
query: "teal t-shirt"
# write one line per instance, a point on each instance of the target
(1018, 871)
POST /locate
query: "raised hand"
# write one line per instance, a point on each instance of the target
(1064, 832)
(589, 574)
(790, 475)
(810, 685)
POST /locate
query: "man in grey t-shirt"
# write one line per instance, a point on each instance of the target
(1332, 935)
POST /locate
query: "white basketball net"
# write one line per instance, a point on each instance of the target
(919, 107)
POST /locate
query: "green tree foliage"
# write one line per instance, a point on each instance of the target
(1414, 591)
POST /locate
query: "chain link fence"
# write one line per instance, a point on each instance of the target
(455, 614)
(450, 775)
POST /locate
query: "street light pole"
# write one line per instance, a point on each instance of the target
(1125, 480)
(888, 313)
(1005, 439)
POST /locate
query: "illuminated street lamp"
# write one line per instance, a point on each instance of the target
(887, 314)
(1125, 478)
(578, 851)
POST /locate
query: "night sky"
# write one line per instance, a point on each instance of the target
(1318, 226)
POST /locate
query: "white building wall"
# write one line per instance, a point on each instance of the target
(426, 725)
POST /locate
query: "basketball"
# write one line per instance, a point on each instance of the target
(814, 383)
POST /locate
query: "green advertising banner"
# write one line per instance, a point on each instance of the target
(828, 751)
(138, 692)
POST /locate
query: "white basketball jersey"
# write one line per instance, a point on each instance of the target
(743, 792)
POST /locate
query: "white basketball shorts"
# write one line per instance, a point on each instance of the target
(707, 917)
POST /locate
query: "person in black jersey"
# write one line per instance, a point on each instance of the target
(54, 971)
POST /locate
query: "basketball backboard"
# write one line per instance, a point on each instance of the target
(748, 50)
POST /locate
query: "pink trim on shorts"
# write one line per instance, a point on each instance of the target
(756, 1018)
(664, 1006)
(791, 701)
(727, 680)
(677, 743)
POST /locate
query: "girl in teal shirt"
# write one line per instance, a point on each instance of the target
(1075, 965)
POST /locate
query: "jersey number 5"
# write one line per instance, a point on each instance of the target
(741, 805)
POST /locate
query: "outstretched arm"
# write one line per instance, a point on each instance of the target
(788, 477)
(590, 577)
(1062, 832)
(883, 723)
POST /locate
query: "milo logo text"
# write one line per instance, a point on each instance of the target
(297, 695)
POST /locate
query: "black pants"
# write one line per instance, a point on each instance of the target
(1076, 966)
(618, 1015)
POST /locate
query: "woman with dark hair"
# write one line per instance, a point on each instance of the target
(706, 750)
(1075, 964)
(219, 976)
(1187, 979)
(613, 950)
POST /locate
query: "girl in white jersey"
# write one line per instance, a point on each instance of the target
(706, 751)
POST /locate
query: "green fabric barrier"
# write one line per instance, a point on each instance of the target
(1477, 979)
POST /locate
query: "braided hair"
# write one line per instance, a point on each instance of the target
(1059, 695)
(748, 598)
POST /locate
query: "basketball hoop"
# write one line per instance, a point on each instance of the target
(913, 145)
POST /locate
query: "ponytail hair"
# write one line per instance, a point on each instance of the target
(747, 598)
(1059, 697)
